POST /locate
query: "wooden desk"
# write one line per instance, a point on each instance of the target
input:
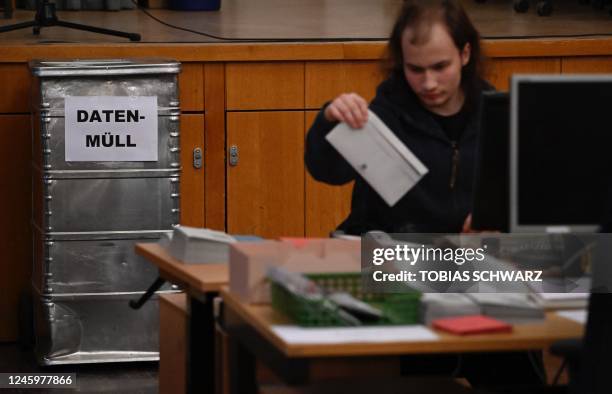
(202, 283)
(197, 279)
(249, 328)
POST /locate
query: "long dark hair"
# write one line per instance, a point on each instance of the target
(423, 13)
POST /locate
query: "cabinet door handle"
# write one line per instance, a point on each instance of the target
(197, 158)
(233, 155)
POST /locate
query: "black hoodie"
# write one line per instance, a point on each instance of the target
(441, 200)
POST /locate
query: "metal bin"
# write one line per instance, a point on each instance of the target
(88, 213)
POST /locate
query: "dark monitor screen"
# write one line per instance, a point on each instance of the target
(492, 179)
(562, 152)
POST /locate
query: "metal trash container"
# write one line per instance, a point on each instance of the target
(105, 165)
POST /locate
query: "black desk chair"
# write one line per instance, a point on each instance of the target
(589, 361)
(595, 372)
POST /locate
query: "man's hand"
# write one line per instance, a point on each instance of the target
(467, 225)
(349, 108)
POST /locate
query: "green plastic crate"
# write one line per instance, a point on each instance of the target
(401, 308)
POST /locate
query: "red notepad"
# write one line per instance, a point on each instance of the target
(469, 325)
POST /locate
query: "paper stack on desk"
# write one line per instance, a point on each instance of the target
(338, 335)
(513, 308)
(563, 293)
(561, 300)
(509, 307)
(379, 157)
(193, 245)
(440, 305)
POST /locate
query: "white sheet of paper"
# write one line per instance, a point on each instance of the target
(579, 316)
(337, 335)
(100, 128)
(379, 157)
(563, 296)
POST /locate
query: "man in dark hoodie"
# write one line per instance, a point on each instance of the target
(430, 101)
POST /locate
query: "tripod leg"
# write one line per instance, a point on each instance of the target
(77, 26)
(17, 26)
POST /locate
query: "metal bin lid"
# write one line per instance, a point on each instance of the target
(89, 67)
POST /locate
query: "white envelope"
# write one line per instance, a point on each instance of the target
(379, 157)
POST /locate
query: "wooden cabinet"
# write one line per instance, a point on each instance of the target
(173, 343)
(586, 64)
(191, 87)
(16, 237)
(15, 82)
(192, 178)
(326, 205)
(265, 187)
(265, 85)
(326, 80)
(214, 154)
(499, 71)
(191, 91)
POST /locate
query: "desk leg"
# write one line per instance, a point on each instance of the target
(201, 346)
(242, 368)
(246, 346)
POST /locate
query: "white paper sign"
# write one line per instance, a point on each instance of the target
(111, 128)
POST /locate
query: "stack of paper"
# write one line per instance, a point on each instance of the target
(379, 157)
(194, 245)
(441, 305)
(513, 308)
(508, 307)
(562, 293)
(561, 300)
(579, 316)
(338, 335)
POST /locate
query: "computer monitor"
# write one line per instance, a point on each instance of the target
(490, 209)
(561, 152)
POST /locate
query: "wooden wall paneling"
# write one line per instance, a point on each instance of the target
(265, 85)
(192, 179)
(326, 80)
(15, 227)
(191, 87)
(326, 205)
(15, 81)
(265, 190)
(214, 154)
(498, 71)
(22, 49)
(586, 64)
